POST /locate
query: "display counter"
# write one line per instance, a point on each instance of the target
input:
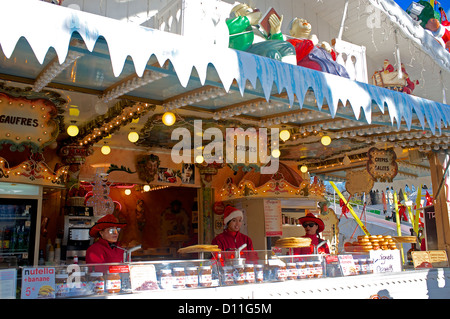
(262, 275)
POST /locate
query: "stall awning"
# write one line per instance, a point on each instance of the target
(44, 43)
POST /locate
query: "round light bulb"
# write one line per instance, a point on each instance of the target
(133, 137)
(303, 169)
(276, 153)
(105, 150)
(285, 135)
(325, 140)
(127, 191)
(73, 130)
(146, 188)
(199, 159)
(168, 118)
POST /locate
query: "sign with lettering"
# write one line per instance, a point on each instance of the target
(382, 165)
(272, 217)
(28, 121)
(429, 218)
(347, 264)
(385, 261)
(429, 259)
(38, 283)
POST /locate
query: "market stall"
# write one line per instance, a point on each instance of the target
(139, 127)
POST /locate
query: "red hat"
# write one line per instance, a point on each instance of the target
(103, 223)
(231, 212)
(311, 218)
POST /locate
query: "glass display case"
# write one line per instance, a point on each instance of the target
(221, 269)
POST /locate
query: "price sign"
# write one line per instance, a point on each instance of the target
(38, 283)
(385, 261)
(347, 265)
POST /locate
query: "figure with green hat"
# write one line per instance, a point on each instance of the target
(432, 20)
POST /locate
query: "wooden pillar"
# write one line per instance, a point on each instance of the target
(440, 203)
(206, 202)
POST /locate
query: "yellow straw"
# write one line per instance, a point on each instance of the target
(397, 220)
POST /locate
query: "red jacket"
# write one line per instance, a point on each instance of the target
(232, 241)
(101, 252)
(228, 242)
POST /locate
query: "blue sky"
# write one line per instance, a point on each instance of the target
(405, 3)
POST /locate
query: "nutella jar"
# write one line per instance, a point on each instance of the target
(205, 276)
(166, 280)
(78, 287)
(113, 283)
(97, 283)
(281, 273)
(318, 269)
(259, 273)
(249, 273)
(228, 278)
(357, 266)
(310, 271)
(62, 289)
(191, 277)
(364, 266)
(179, 277)
(370, 266)
(239, 275)
(291, 271)
(301, 270)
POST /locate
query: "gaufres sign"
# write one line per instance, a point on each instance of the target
(382, 165)
(27, 122)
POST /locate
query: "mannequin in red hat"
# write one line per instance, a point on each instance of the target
(313, 227)
(105, 249)
(231, 238)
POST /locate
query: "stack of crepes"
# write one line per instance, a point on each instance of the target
(293, 242)
(373, 242)
(198, 249)
(405, 239)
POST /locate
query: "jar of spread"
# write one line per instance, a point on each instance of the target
(281, 273)
(97, 283)
(259, 273)
(179, 277)
(370, 266)
(249, 274)
(364, 266)
(228, 278)
(357, 266)
(62, 289)
(77, 284)
(291, 271)
(113, 283)
(166, 280)
(301, 270)
(191, 277)
(310, 269)
(318, 269)
(205, 276)
(239, 276)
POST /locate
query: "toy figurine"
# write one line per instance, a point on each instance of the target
(310, 53)
(247, 35)
(431, 20)
(389, 78)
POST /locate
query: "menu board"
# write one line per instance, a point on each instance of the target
(38, 283)
(385, 261)
(272, 217)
